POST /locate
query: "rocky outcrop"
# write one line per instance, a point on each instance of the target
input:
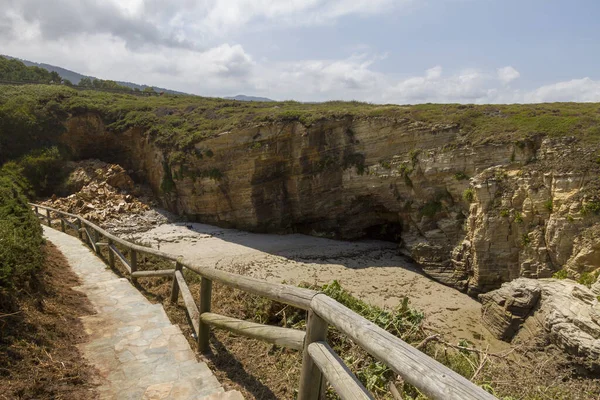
(105, 193)
(570, 314)
(472, 213)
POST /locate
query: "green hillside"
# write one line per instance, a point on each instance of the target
(15, 71)
(32, 115)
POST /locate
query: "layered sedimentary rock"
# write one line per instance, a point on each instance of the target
(472, 214)
(569, 312)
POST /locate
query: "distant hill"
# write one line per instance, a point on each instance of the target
(242, 97)
(75, 77)
(12, 70)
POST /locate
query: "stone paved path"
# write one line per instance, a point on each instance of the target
(139, 353)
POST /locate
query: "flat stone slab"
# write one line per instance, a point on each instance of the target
(139, 353)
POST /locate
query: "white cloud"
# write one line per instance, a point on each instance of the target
(508, 74)
(586, 90)
(348, 76)
(184, 45)
(466, 86)
(233, 14)
(433, 73)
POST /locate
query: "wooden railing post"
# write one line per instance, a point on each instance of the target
(111, 254)
(96, 239)
(133, 261)
(79, 227)
(48, 217)
(312, 384)
(37, 211)
(175, 286)
(62, 224)
(204, 329)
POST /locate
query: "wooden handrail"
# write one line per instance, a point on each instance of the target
(418, 369)
(287, 294)
(319, 361)
(346, 385)
(284, 337)
(120, 256)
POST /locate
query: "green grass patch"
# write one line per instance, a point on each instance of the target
(588, 278)
(561, 274)
(460, 176)
(469, 195)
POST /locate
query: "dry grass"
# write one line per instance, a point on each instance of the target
(39, 358)
(533, 370)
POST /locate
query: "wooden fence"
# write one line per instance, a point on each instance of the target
(320, 363)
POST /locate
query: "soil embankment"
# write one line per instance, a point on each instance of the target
(39, 358)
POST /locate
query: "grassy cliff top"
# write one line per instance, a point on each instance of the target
(185, 120)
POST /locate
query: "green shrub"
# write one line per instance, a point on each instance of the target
(44, 169)
(518, 217)
(356, 160)
(561, 274)
(587, 278)
(431, 208)
(592, 207)
(525, 239)
(548, 205)
(20, 231)
(385, 164)
(168, 184)
(504, 213)
(414, 156)
(469, 195)
(460, 176)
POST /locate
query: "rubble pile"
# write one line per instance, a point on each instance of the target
(105, 194)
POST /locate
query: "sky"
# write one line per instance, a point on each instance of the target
(380, 51)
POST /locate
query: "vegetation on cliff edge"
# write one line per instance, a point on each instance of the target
(33, 115)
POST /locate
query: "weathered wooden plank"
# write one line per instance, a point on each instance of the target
(189, 302)
(346, 385)
(54, 209)
(115, 239)
(70, 224)
(121, 257)
(205, 304)
(91, 239)
(292, 295)
(312, 384)
(131, 246)
(111, 254)
(429, 376)
(150, 274)
(174, 286)
(79, 228)
(284, 337)
(133, 264)
(101, 244)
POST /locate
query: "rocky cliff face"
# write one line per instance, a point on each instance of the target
(569, 314)
(473, 215)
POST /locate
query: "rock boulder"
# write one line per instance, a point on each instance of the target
(570, 314)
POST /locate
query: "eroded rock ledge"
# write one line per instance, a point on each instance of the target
(472, 214)
(569, 312)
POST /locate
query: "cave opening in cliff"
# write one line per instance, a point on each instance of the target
(387, 231)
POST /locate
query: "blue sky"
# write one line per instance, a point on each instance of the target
(383, 51)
